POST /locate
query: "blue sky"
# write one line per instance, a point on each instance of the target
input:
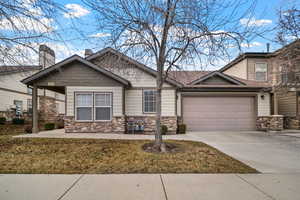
(80, 15)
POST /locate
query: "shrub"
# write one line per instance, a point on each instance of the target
(18, 121)
(49, 126)
(2, 120)
(28, 129)
(181, 129)
(164, 129)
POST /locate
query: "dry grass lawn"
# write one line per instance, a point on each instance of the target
(86, 156)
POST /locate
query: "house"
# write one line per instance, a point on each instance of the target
(271, 68)
(16, 98)
(106, 89)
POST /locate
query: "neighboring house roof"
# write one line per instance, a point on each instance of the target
(185, 77)
(141, 66)
(73, 58)
(11, 69)
(216, 73)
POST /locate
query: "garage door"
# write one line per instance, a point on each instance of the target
(219, 113)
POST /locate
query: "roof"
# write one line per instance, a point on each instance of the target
(186, 77)
(141, 66)
(71, 59)
(10, 69)
(216, 73)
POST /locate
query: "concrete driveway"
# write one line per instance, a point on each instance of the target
(266, 152)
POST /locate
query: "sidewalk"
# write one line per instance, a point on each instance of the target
(150, 187)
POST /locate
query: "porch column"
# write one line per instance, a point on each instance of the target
(275, 104)
(35, 115)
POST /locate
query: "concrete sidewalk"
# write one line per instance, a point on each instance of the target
(150, 186)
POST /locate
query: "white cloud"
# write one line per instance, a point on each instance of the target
(99, 35)
(249, 45)
(75, 11)
(255, 22)
(42, 25)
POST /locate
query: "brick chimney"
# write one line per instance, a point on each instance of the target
(46, 56)
(88, 52)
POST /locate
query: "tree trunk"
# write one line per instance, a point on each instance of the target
(158, 136)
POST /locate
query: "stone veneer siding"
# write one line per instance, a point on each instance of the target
(116, 125)
(150, 123)
(269, 123)
(48, 111)
(291, 122)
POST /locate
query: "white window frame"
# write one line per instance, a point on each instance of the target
(75, 106)
(145, 104)
(266, 76)
(111, 106)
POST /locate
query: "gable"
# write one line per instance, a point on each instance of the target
(77, 74)
(215, 80)
(127, 70)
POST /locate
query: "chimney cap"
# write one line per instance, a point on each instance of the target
(47, 49)
(88, 52)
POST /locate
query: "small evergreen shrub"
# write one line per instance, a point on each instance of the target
(164, 129)
(181, 129)
(49, 126)
(18, 121)
(2, 120)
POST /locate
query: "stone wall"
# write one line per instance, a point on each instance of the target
(47, 109)
(116, 125)
(269, 123)
(150, 121)
(291, 123)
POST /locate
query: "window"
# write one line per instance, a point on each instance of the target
(103, 106)
(84, 106)
(29, 106)
(261, 71)
(149, 99)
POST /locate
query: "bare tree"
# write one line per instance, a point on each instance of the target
(288, 25)
(175, 32)
(24, 24)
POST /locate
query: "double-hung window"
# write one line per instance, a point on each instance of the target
(261, 71)
(149, 101)
(84, 106)
(103, 106)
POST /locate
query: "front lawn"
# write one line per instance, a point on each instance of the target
(85, 156)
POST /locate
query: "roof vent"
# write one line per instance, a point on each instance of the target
(268, 47)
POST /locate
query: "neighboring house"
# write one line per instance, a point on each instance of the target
(16, 98)
(268, 68)
(106, 89)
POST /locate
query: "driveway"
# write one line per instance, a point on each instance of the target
(266, 152)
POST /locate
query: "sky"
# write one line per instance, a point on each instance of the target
(79, 14)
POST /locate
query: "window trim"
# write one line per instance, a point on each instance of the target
(75, 106)
(266, 77)
(143, 99)
(111, 106)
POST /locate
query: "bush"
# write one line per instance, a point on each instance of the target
(49, 126)
(28, 129)
(18, 121)
(2, 120)
(164, 129)
(181, 129)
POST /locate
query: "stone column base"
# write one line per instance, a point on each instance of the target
(269, 123)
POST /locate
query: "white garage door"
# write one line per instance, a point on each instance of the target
(219, 113)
